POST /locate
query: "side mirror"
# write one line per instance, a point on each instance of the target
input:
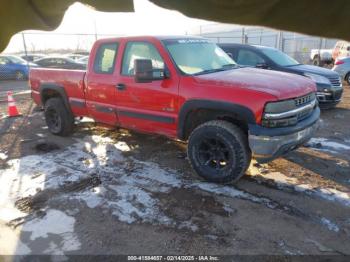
(229, 54)
(144, 72)
(262, 65)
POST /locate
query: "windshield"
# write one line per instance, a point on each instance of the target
(17, 60)
(198, 56)
(279, 57)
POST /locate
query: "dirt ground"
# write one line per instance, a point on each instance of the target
(104, 191)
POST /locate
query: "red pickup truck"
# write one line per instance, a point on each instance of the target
(185, 88)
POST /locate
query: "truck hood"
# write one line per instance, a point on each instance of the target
(312, 69)
(279, 84)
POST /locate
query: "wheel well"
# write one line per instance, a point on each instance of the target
(200, 116)
(49, 93)
(347, 75)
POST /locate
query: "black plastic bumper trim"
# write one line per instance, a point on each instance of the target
(151, 117)
(77, 103)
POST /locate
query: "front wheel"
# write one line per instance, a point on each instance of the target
(218, 151)
(58, 119)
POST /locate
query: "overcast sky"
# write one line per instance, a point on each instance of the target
(148, 19)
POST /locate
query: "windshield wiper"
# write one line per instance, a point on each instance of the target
(208, 71)
(292, 65)
(229, 66)
(223, 68)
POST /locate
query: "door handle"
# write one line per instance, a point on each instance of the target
(121, 86)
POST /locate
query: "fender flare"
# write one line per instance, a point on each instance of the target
(57, 88)
(243, 112)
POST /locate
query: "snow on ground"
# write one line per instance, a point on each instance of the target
(330, 225)
(54, 222)
(58, 223)
(10, 243)
(3, 156)
(328, 145)
(282, 180)
(128, 189)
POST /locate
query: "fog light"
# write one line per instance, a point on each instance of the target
(280, 122)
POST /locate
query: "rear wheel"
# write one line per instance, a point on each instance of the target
(218, 151)
(58, 119)
(317, 61)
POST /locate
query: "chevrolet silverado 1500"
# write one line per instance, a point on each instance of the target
(185, 88)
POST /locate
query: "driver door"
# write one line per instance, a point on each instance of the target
(149, 107)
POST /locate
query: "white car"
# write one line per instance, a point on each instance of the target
(319, 57)
(84, 60)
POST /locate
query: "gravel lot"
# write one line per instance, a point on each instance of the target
(104, 191)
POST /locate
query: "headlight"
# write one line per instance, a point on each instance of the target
(317, 78)
(278, 107)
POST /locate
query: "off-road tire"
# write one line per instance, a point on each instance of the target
(227, 136)
(58, 118)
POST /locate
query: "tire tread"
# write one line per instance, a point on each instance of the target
(67, 117)
(241, 139)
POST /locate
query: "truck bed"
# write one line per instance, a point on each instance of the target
(71, 81)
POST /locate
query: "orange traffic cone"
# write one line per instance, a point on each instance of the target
(12, 108)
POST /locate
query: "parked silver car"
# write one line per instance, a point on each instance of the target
(342, 67)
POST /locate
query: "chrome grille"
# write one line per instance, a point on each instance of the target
(335, 81)
(299, 101)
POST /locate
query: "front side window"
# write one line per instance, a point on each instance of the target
(52, 62)
(248, 58)
(105, 58)
(49, 62)
(61, 61)
(140, 50)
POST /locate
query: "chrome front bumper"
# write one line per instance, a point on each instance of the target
(266, 147)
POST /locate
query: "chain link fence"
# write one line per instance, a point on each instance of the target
(295, 45)
(33, 45)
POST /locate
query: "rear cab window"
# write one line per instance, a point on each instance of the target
(105, 58)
